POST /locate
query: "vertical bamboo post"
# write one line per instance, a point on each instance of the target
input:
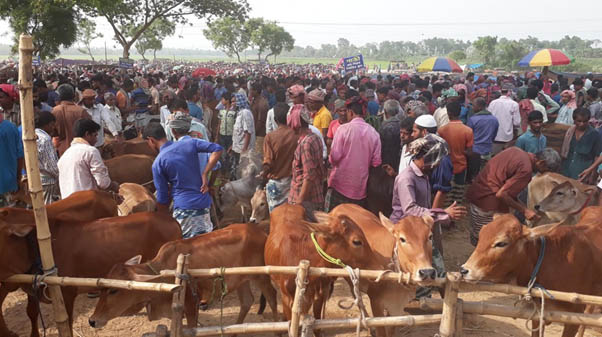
(299, 290)
(35, 184)
(179, 296)
(448, 314)
(460, 319)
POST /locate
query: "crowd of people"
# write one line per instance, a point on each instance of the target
(456, 144)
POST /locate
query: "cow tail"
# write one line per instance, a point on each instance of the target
(261, 305)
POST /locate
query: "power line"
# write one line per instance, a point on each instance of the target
(455, 23)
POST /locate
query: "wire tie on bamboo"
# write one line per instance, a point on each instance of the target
(183, 277)
(354, 276)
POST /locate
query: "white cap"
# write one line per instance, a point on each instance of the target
(426, 121)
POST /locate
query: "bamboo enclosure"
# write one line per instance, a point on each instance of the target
(35, 184)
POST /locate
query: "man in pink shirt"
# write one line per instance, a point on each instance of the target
(355, 147)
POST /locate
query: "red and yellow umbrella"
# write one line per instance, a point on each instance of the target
(544, 58)
(439, 64)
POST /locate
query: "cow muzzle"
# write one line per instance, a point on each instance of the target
(96, 323)
(537, 207)
(427, 273)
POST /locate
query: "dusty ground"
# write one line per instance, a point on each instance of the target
(457, 250)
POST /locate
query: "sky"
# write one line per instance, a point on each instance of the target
(316, 22)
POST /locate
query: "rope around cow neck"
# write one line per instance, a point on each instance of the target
(325, 255)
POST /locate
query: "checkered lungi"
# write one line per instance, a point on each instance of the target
(193, 221)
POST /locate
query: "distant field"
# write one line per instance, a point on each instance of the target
(583, 64)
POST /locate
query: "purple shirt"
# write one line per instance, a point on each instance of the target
(484, 126)
(412, 196)
(355, 147)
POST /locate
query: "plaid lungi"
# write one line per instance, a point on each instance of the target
(193, 221)
(478, 219)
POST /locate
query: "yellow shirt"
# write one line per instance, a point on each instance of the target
(322, 118)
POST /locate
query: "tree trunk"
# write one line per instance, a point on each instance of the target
(238, 57)
(91, 55)
(126, 50)
(154, 55)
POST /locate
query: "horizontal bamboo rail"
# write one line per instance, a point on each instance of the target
(96, 283)
(482, 308)
(313, 272)
(323, 324)
(517, 290)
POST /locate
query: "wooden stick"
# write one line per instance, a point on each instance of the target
(459, 318)
(516, 290)
(95, 283)
(448, 320)
(298, 299)
(324, 324)
(179, 297)
(313, 272)
(35, 184)
(482, 308)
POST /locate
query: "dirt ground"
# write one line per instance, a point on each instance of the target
(457, 250)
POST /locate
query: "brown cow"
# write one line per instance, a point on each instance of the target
(237, 245)
(507, 252)
(260, 210)
(87, 249)
(131, 168)
(290, 241)
(133, 146)
(135, 199)
(414, 254)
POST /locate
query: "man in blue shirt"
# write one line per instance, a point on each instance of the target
(192, 96)
(484, 126)
(533, 141)
(11, 165)
(177, 176)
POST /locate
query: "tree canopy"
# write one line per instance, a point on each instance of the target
(152, 38)
(229, 35)
(129, 19)
(85, 35)
(51, 23)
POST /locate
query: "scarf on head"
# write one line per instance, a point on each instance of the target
(294, 118)
(242, 102)
(573, 102)
(430, 147)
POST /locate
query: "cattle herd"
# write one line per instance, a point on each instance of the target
(91, 240)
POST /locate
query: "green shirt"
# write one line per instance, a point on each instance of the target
(582, 153)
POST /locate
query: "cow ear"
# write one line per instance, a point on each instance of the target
(386, 222)
(322, 217)
(428, 220)
(539, 231)
(134, 261)
(20, 230)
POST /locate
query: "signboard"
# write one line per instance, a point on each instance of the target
(126, 63)
(353, 63)
(36, 62)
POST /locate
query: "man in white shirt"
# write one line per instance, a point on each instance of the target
(81, 167)
(113, 110)
(99, 115)
(507, 112)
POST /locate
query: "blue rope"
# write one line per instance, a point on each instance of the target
(542, 254)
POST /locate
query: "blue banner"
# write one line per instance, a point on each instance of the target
(353, 63)
(36, 62)
(126, 63)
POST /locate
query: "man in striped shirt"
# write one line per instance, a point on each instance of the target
(45, 124)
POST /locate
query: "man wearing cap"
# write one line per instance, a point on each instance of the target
(356, 147)
(308, 165)
(506, 110)
(178, 174)
(441, 113)
(9, 98)
(99, 115)
(317, 109)
(66, 113)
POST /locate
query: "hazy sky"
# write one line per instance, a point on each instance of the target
(314, 22)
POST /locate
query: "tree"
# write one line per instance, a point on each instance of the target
(131, 18)
(457, 55)
(268, 36)
(485, 45)
(51, 24)
(280, 40)
(85, 35)
(510, 52)
(152, 38)
(229, 35)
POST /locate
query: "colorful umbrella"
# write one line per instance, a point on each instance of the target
(439, 64)
(203, 72)
(543, 58)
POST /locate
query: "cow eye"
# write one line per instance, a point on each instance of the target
(357, 242)
(559, 193)
(402, 239)
(500, 244)
(431, 237)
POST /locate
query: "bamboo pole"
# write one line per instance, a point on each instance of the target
(324, 324)
(95, 283)
(483, 308)
(179, 297)
(517, 290)
(35, 184)
(459, 318)
(313, 272)
(448, 319)
(298, 299)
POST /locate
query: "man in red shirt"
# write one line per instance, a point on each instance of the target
(460, 140)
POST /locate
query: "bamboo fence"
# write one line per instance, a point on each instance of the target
(35, 184)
